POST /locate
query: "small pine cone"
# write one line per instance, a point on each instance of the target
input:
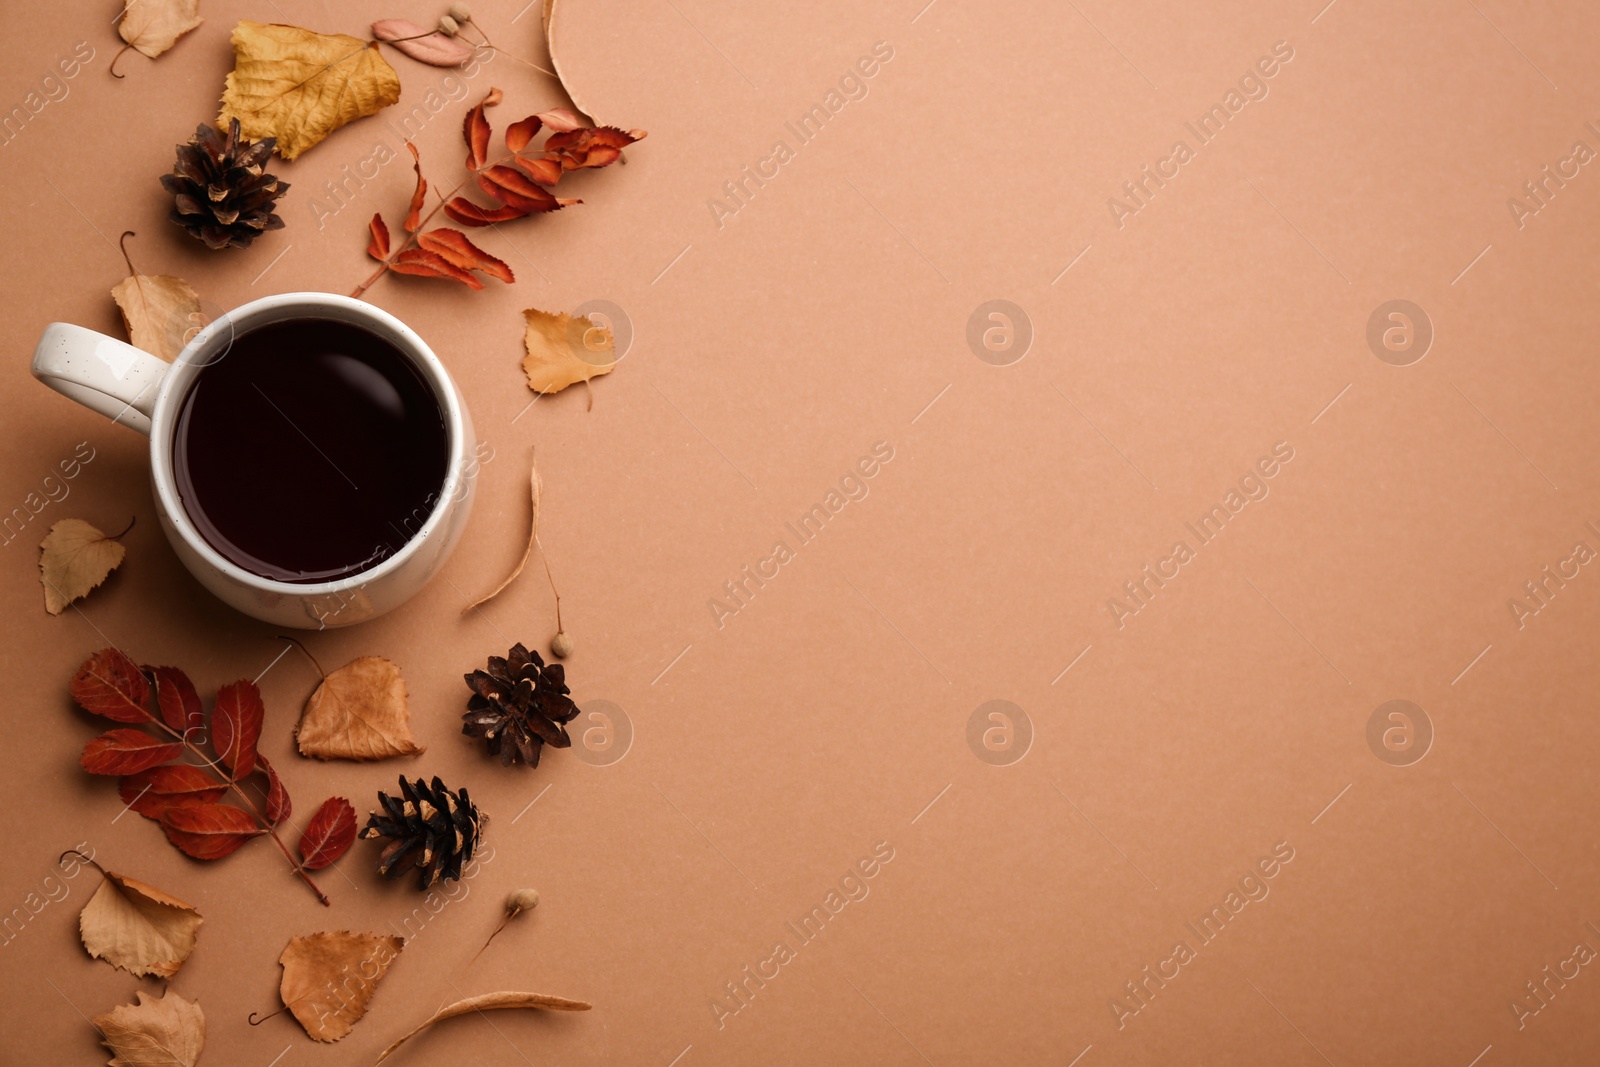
(431, 830)
(519, 705)
(221, 191)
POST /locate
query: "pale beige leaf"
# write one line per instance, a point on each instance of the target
(359, 712)
(300, 86)
(153, 26)
(160, 311)
(551, 7)
(169, 1032)
(329, 978)
(491, 1002)
(137, 927)
(536, 491)
(563, 350)
(74, 557)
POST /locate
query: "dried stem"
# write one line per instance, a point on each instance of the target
(495, 48)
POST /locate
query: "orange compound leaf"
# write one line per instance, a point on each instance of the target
(519, 134)
(378, 247)
(329, 835)
(178, 701)
(109, 684)
(475, 130)
(427, 264)
(414, 215)
(236, 726)
(467, 213)
(209, 831)
(454, 247)
(154, 792)
(127, 752)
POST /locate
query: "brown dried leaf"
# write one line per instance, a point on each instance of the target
(359, 712)
(74, 557)
(169, 1032)
(434, 49)
(563, 350)
(491, 1002)
(153, 26)
(137, 927)
(329, 977)
(300, 86)
(160, 311)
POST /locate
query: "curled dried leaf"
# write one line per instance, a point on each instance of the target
(490, 1002)
(137, 927)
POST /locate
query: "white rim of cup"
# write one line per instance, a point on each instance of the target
(239, 320)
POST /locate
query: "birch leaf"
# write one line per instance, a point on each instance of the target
(169, 1032)
(563, 350)
(137, 927)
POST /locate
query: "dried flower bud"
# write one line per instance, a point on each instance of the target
(448, 26)
(460, 13)
(521, 900)
(561, 645)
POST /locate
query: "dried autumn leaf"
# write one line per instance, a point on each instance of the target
(329, 835)
(160, 311)
(432, 265)
(418, 194)
(491, 1002)
(359, 712)
(127, 752)
(329, 978)
(563, 350)
(169, 1032)
(455, 248)
(110, 684)
(276, 806)
(208, 831)
(236, 726)
(74, 557)
(178, 701)
(300, 86)
(434, 49)
(153, 26)
(137, 927)
(153, 792)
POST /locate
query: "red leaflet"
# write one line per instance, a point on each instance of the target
(378, 247)
(432, 265)
(560, 119)
(127, 752)
(209, 831)
(544, 171)
(178, 701)
(590, 147)
(475, 130)
(518, 134)
(515, 189)
(109, 684)
(414, 215)
(278, 805)
(153, 792)
(236, 726)
(330, 834)
(467, 213)
(454, 247)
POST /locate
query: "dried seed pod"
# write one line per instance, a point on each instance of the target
(460, 13)
(561, 645)
(521, 900)
(449, 26)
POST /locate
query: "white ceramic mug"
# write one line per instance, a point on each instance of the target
(144, 393)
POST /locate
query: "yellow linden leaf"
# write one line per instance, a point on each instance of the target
(160, 311)
(300, 86)
(153, 26)
(169, 1032)
(358, 712)
(75, 557)
(563, 350)
(138, 927)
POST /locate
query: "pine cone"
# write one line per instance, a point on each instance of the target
(223, 197)
(519, 705)
(432, 830)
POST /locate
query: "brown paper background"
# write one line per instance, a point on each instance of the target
(831, 712)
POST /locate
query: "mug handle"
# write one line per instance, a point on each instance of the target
(101, 373)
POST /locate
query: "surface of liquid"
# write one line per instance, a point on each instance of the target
(310, 452)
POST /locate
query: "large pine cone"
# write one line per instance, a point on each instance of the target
(223, 197)
(431, 830)
(519, 705)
